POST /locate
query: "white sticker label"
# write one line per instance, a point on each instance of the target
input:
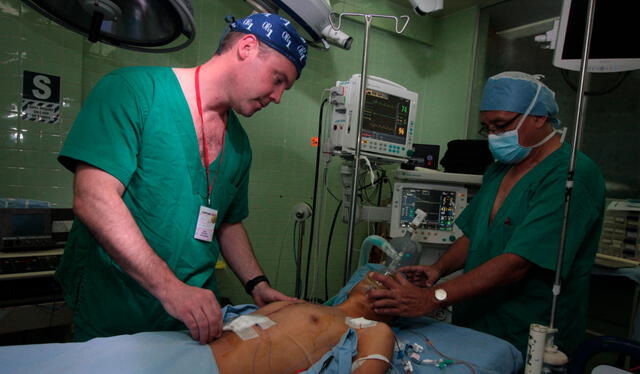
(206, 224)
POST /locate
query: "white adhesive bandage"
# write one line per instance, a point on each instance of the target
(357, 363)
(359, 323)
(243, 325)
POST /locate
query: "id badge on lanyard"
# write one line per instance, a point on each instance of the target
(206, 224)
(207, 216)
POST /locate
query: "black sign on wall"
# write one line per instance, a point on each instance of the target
(40, 97)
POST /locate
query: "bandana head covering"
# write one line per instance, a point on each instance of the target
(278, 33)
(520, 93)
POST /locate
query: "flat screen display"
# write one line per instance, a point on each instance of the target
(385, 117)
(614, 35)
(614, 45)
(438, 204)
(29, 225)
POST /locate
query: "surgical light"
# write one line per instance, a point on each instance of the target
(313, 18)
(423, 7)
(141, 25)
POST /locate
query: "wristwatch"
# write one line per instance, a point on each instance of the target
(440, 294)
(252, 283)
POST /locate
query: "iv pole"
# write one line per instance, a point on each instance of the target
(541, 337)
(368, 19)
(581, 109)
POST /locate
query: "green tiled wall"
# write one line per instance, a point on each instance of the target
(28, 149)
(283, 169)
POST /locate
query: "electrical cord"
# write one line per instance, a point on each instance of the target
(326, 258)
(296, 259)
(284, 235)
(365, 195)
(369, 185)
(332, 194)
(378, 184)
(378, 189)
(315, 196)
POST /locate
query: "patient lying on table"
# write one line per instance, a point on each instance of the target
(290, 336)
(303, 336)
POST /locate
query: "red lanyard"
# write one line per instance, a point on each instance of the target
(204, 140)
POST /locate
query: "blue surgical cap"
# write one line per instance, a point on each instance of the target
(515, 92)
(278, 33)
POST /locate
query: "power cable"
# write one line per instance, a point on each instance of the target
(326, 258)
(315, 196)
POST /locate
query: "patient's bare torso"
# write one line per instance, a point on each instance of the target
(303, 333)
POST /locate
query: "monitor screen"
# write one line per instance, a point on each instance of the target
(385, 117)
(614, 46)
(29, 225)
(440, 206)
(25, 222)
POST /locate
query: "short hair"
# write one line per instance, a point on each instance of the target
(232, 37)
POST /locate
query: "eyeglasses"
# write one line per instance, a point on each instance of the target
(484, 130)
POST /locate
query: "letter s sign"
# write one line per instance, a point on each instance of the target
(42, 91)
(42, 87)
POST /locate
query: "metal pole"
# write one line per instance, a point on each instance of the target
(368, 18)
(581, 105)
(356, 159)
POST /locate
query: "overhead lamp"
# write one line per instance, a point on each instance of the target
(140, 25)
(424, 7)
(313, 18)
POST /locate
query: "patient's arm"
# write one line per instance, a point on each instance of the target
(373, 340)
(302, 334)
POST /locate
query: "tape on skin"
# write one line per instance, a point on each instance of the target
(243, 325)
(357, 363)
(359, 323)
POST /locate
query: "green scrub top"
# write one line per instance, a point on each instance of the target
(136, 125)
(528, 224)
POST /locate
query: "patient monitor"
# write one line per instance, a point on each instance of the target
(442, 195)
(442, 204)
(388, 117)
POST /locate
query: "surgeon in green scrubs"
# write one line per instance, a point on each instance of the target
(161, 167)
(512, 228)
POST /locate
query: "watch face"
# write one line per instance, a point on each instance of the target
(440, 294)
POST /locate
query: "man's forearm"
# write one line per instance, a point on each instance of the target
(454, 258)
(498, 272)
(98, 204)
(237, 251)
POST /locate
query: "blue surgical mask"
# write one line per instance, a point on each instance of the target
(506, 147)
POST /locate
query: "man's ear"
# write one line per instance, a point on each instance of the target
(247, 46)
(540, 121)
